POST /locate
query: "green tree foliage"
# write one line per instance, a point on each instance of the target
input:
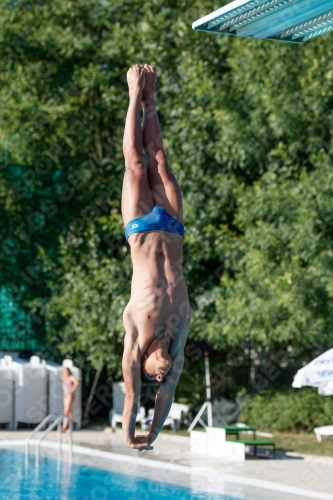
(87, 306)
(247, 128)
(281, 287)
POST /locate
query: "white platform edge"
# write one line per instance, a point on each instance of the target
(257, 483)
(223, 10)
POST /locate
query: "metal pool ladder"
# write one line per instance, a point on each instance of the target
(56, 421)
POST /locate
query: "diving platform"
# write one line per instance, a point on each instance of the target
(293, 21)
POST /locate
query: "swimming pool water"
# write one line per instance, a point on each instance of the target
(54, 480)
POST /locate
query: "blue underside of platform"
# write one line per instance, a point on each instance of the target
(293, 21)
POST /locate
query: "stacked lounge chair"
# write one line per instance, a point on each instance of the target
(6, 392)
(30, 391)
(55, 393)
(118, 398)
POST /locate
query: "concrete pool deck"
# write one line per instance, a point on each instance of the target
(308, 473)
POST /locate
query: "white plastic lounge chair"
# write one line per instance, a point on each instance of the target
(118, 397)
(30, 396)
(174, 419)
(7, 390)
(326, 430)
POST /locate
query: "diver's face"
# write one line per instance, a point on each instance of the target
(157, 368)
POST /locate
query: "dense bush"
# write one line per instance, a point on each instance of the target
(288, 410)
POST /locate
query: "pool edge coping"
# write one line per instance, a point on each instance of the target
(185, 469)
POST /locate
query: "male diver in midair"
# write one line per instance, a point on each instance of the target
(158, 315)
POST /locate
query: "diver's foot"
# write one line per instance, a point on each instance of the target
(148, 93)
(136, 81)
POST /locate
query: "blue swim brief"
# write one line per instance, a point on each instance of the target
(157, 219)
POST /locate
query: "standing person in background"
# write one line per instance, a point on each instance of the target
(69, 384)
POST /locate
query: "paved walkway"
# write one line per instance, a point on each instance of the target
(305, 472)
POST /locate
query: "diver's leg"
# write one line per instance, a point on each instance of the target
(163, 184)
(137, 199)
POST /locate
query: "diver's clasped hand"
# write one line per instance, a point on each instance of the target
(141, 443)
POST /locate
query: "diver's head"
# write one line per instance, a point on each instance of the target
(155, 366)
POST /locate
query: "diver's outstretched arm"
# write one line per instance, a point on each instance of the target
(131, 366)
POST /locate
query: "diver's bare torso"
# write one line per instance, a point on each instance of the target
(159, 301)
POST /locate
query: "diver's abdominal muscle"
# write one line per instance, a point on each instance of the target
(164, 253)
(158, 288)
(159, 292)
(156, 245)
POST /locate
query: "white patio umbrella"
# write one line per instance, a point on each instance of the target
(318, 373)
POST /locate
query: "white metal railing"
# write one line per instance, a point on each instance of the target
(57, 421)
(38, 428)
